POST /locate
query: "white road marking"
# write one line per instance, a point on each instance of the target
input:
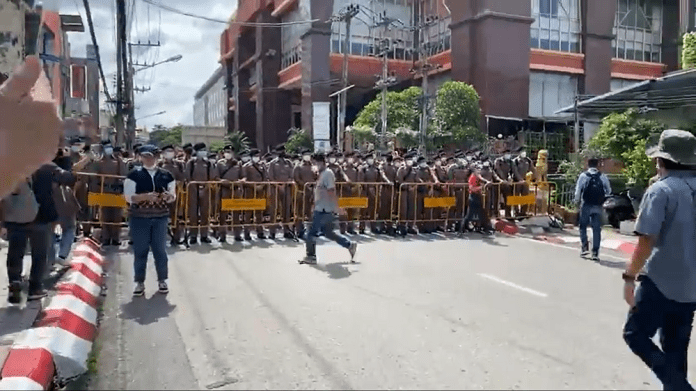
(602, 256)
(513, 285)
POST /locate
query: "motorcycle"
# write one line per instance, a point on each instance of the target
(619, 207)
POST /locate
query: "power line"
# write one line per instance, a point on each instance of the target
(96, 49)
(227, 22)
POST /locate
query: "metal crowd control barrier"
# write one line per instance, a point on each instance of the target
(429, 203)
(519, 200)
(241, 204)
(102, 191)
(365, 202)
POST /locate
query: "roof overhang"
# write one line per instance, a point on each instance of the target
(674, 90)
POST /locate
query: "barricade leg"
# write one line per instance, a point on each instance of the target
(272, 209)
(524, 190)
(193, 207)
(204, 216)
(112, 229)
(385, 208)
(176, 227)
(286, 210)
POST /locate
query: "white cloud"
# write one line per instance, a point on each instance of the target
(173, 84)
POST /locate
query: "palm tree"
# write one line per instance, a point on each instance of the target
(238, 140)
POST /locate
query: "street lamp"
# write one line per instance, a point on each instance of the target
(176, 58)
(151, 115)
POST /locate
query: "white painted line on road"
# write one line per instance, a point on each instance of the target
(513, 285)
(602, 256)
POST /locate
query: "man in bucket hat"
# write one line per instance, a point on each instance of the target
(666, 297)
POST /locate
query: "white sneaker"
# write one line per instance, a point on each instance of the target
(162, 288)
(139, 289)
(353, 249)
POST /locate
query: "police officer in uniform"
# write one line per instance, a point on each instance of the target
(281, 169)
(458, 173)
(389, 195)
(230, 173)
(304, 173)
(351, 171)
(425, 176)
(440, 171)
(489, 192)
(111, 217)
(85, 185)
(176, 168)
(370, 173)
(522, 165)
(503, 168)
(199, 169)
(407, 175)
(254, 171)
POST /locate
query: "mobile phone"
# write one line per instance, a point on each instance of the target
(33, 28)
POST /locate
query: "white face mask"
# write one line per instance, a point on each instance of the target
(108, 151)
(438, 162)
(350, 160)
(423, 165)
(508, 156)
(306, 158)
(75, 148)
(409, 163)
(523, 155)
(256, 159)
(246, 159)
(202, 154)
(341, 160)
(332, 160)
(169, 155)
(228, 155)
(370, 161)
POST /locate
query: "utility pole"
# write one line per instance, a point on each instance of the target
(346, 15)
(576, 131)
(424, 71)
(385, 81)
(120, 71)
(130, 127)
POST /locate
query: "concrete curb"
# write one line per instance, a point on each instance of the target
(57, 347)
(624, 246)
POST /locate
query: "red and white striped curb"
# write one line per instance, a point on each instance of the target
(624, 246)
(58, 345)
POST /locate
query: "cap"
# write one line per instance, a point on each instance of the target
(306, 151)
(168, 147)
(199, 147)
(188, 145)
(147, 150)
(118, 149)
(106, 142)
(421, 159)
(254, 152)
(280, 148)
(228, 147)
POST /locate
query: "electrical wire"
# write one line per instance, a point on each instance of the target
(96, 49)
(227, 22)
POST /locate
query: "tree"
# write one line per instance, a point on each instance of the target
(299, 139)
(216, 146)
(689, 51)
(457, 116)
(402, 111)
(238, 140)
(162, 136)
(622, 136)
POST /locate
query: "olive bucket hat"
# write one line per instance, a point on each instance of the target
(676, 145)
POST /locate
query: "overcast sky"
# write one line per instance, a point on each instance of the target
(173, 84)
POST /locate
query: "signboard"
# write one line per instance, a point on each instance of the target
(107, 200)
(321, 125)
(521, 200)
(439, 202)
(236, 204)
(352, 202)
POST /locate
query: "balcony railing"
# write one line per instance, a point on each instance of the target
(291, 56)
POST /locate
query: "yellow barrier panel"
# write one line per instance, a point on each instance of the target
(237, 204)
(521, 200)
(353, 202)
(107, 200)
(440, 202)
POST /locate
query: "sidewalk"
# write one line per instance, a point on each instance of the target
(611, 239)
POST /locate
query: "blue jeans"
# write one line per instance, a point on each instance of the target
(67, 238)
(323, 222)
(591, 215)
(147, 234)
(654, 312)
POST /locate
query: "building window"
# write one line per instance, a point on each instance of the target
(638, 30)
(556, 25)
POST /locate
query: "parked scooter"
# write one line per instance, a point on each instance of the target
(619, 207)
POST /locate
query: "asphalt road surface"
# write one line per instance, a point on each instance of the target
(430, 312)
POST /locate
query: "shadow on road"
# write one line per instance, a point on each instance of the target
(335, 271)
(147, 311)
(612, 264)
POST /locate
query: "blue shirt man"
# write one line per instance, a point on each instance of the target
(591, 212)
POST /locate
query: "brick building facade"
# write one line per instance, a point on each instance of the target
(524, 57)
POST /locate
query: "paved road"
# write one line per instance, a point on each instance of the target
(426, 313)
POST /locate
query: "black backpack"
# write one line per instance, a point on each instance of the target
(594, 190)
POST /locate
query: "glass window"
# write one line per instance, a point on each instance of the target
(638, 30)
(556, 25)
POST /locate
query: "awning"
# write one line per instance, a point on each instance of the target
(674, 90)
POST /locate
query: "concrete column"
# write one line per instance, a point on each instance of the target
(492, 52)
(316, 58)
(598, 17)
(273, 109)
(671, 34)
(246, 119)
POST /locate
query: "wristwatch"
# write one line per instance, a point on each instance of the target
(628, 278)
